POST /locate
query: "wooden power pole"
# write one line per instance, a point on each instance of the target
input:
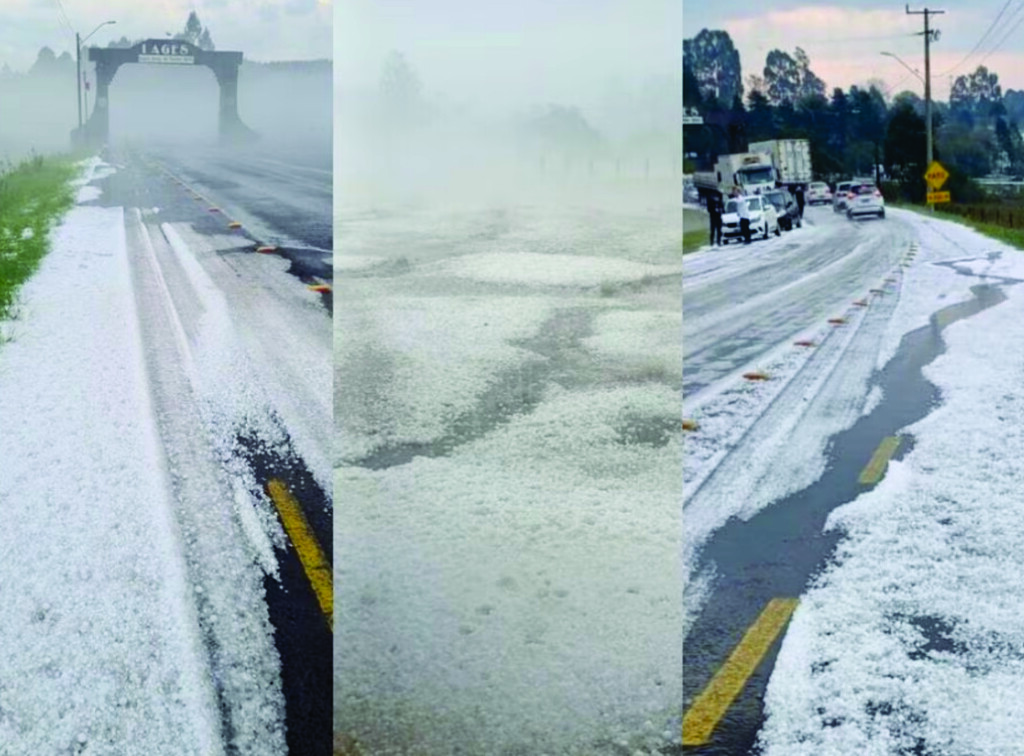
(927, 80)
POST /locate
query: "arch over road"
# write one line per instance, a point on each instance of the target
(96, 130)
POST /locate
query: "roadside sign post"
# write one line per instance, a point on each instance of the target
(936, 176)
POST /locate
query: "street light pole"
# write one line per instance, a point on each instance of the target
(78, 64)
(903, 63)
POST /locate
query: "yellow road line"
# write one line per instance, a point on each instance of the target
(316, 567)
(879, 460)
(710, 706)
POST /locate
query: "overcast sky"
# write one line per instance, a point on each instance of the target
(844, 39)
(262, 29)
(512, 53)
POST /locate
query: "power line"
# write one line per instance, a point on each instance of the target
(64, 17)
(983, 36)
(1004, 38)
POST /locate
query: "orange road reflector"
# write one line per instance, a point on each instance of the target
(756, 376)
(803, 343)
(266, 250)
(690, 425)
(320, 288)
(234, 224)
(837, 321)
(861, 303)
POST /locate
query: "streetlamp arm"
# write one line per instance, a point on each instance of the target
(900, 61)
(97, 29)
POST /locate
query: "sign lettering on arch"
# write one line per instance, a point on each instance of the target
(167, 51)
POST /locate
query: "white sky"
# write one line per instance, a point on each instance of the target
(263, 30)
(845, 39)
(566, 51)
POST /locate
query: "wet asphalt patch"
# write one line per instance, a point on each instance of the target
(782, 547)
(514, 392)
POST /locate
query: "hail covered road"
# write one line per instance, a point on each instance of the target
(238, 350)
(822, 402)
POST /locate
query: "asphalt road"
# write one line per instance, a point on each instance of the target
(742, 306)
(266, 428)
(507, 380)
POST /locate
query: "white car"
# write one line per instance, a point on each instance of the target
(864, 199)
(818, 193)
(764, 219)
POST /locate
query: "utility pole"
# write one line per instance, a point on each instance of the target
(927, 78)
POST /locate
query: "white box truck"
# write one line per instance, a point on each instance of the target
(791, 159)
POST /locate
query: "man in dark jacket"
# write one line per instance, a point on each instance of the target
(715, 217)
(798, 194)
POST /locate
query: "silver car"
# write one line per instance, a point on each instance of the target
(839, 198)
(865, 199)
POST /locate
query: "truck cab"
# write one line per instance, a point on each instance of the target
(743, 173)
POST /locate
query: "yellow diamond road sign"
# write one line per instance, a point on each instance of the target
(936, 175)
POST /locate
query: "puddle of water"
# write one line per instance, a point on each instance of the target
(778, 550)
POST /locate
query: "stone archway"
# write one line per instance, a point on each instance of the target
(224, 65)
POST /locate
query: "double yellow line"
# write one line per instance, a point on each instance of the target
(314, 563)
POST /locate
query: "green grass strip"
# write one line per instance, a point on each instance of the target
(696, 232)
(1012, 236)
(34, 195)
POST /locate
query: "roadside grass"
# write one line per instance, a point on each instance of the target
(695, 230)
(1012, 236)
(33, 196)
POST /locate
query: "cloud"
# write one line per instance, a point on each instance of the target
(845, 44)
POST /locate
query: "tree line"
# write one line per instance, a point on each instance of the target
(859, 131)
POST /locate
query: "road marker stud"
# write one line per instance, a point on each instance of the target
(878, 291)
(234, 224)
(319, 288)
(690, 425)
(712, 703)
(756, 376)
(214, 209)
(804, 343)
(266, 250)
(314, 564)
(837, 321)
(861, 303)
(875, 469)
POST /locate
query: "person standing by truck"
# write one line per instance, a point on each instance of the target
(715, 218)
(798, 194)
